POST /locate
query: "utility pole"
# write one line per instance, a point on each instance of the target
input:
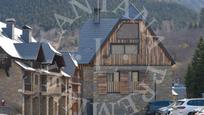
(155, 86)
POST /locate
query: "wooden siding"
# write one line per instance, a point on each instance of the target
(102, 84)
(157, 56)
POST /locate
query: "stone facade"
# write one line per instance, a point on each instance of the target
(133, 102)
(10, 88)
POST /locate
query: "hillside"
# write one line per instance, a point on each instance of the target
(181, 45)
(41, 12)
(196, 5)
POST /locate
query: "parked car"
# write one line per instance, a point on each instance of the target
(185, 106)
(195, 111)
(167, 110)
(200, 111)
(153, 106)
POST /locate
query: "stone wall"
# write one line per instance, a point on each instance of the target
(10, 87)
(87, 82)
(121, 104)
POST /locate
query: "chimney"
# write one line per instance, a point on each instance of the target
(10, 26)
(97, 15)
(27, 34)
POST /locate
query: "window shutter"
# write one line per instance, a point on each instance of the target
(101, 84)
(124, 82)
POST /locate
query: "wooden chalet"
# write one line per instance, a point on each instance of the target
(115, 57)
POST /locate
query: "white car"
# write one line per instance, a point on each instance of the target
(200, 112)
(184, 106)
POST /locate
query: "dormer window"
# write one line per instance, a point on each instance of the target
(128, 31)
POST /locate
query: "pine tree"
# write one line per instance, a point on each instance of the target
(194, 78)
(202, 17)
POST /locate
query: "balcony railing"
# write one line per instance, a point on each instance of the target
(44, 87)
(113, 87)
(28, 87)
(139, 87)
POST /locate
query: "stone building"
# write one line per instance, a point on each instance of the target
(36, 79)
(123, 64)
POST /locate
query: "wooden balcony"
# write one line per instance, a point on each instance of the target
(139, 87)
(113, 87)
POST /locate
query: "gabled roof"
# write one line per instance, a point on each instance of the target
(132, 13)
(28, 51)
(90, 33)
(49, 53)
(93, 35)
(70, 63)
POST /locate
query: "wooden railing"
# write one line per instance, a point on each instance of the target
(113, 87)
(136, 86)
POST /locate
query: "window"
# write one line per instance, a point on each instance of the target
(135, 77)
(57, 82)
(124, 49)
(196, 102)
(131, 49)
(135, 81)
(50, 81)
(118, 49)
(128, 31)
(113, 82)
(27, 82)
(36, 79)
(43, 82)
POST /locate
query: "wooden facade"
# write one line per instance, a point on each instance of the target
(149, 52)
(149, 49)
(119, 67)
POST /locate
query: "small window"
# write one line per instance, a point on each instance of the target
(131, 49)
(57, 82)
(135, 81)
(36, 79)
(124, 49)
(118, 49)
(27, 79)
(50, 81)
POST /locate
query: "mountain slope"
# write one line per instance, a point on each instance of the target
(191, 4)
(41, 12)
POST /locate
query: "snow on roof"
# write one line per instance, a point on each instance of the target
(17, 33)
(8, 46)
(53, 49)
(74, 60)
(64, 74)
(25, 66)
